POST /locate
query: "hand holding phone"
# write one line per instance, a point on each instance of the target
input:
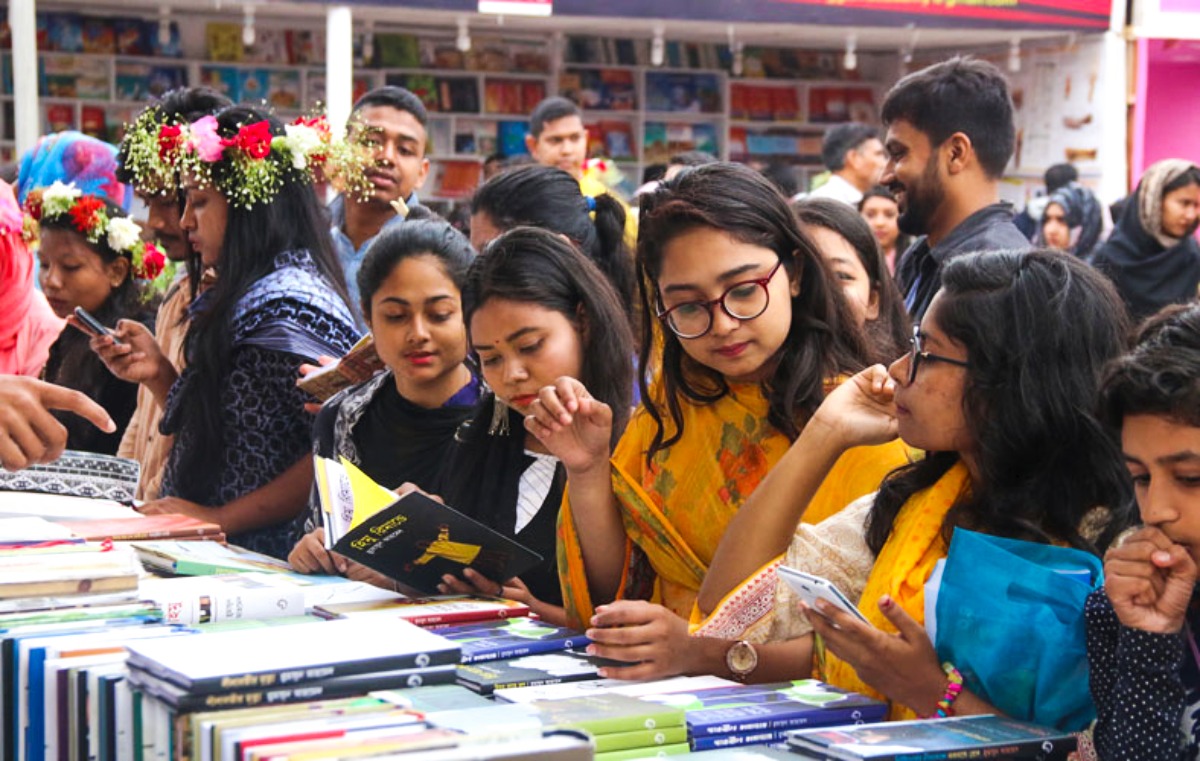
(810, 588)
(93, 326)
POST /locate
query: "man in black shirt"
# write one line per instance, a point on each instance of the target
(949, 136)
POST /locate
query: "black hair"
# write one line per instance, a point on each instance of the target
(822, 340)
(843, 138)
(549, 198)
(1039, 328)
(551, 110)
(532, 265)
(903, 239)
(888, 333)
(493, 157)
(423, 237)
(962, 94)
(1059, 175)
(1160, 375)
(783, 177)
(393, 97)
(292, 220)
(1190, 176)
(692, 158)
(184, 105)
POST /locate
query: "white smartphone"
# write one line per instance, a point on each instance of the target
(811, 588)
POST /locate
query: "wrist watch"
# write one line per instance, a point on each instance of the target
(741, 659)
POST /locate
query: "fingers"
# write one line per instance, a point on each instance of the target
(905, 624)
(452, 585)
(624, 613)
(637, 672)
(483, 583)
(59, 398)
(1176, 559)
(878, 381)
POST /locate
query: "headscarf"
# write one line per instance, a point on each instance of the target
(1082, 213)
(73, 157)
(21, 306)
(1150, 268)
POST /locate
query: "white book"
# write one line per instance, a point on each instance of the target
(619, 686)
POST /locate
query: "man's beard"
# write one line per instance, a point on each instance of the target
(921, 201)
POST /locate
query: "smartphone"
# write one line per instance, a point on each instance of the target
(810, 588)
(94, 326)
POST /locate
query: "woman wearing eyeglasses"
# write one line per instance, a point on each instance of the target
(753, 330)
(998, 389)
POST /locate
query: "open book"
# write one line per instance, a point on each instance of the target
(360, 364)
(412, 539)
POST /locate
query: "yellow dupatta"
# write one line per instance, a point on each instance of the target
(901, 570)
(676, 509)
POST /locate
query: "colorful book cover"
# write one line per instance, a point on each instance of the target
(223, 79)
(510, 138)
(529, 671)
(64, 32)
(779, 705)
(268, 657)
(131, 36)
(397, 51)
(224, 41)
(495, 640)
(430, 612)
(253, 86)
(955, 737)
(283, 89)
(413, 539)
(98, 36)
(607, 713)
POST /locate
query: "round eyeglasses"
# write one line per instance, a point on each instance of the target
(742, 301)
(917, 354)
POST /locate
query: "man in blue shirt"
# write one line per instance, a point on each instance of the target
(390, 122)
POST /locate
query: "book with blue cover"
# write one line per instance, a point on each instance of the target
(774, 706)
(493, 640)
(530, 670)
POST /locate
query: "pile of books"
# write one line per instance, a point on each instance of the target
(955, 737)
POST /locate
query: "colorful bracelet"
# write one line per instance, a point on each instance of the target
(954, 688)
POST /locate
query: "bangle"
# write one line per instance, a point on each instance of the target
(954, 688)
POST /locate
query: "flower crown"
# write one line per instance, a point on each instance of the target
(90, 218)
(260, 162)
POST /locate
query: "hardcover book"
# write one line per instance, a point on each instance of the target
(529, 671)
(608, 713)
(430, 612)
(143, 527)
(511, 638)
(955, 737)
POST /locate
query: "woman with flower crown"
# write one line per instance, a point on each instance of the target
(91, 256)
(242, 439)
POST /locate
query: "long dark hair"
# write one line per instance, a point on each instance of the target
(888, 333)
(548, 197)
(532, 265)
(291, 221)
(822, 340)
(1039, 328)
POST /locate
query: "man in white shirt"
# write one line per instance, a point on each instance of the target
(854, 155)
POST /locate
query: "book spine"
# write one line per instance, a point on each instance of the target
(799, 718)
(738, 739)
(530, 648)
(436, 620)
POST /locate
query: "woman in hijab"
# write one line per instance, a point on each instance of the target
(1071, 221)
(28, 326)
(72, 157)
(1152, 255)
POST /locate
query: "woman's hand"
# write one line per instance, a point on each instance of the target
(571, 424)
(313, 408)
(902, 666)
(310, 555)
(652, 639)
(29, 433)
(137, 358)
(862, 410)
(1149, 579)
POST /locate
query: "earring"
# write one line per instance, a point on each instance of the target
(499, 426)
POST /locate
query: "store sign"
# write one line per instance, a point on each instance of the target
(517, 7)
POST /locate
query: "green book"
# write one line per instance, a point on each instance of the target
(676, 749)
(640, 739)
(607, 713)
(204, 558)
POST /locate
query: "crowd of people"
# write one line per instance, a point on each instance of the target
(668, 402)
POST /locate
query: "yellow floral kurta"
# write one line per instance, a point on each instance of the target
(675, 509)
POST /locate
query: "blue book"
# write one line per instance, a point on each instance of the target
(739, 739)
(774, 706)
(493, 640)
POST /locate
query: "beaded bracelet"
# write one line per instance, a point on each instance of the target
(954, 687)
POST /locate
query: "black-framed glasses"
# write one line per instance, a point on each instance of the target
(742, 301)
(918, 354)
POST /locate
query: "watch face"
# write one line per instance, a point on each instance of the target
(742, 658)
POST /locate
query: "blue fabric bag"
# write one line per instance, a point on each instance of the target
(1010, 618)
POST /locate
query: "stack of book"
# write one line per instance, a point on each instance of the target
(621, 726)
(65, 568)
(530, 671)
(430, 612)
(512, 638)
(955, 737)
(144, 528)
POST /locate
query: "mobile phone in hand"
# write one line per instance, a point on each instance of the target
(811, 588)
(94, 326)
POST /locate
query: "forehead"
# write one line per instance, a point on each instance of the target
(497, 318)
(565, 125)
(56, 243)
(393, 122)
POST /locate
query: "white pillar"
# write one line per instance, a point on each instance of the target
(339, 66)
(22, 19)
(1114, 121)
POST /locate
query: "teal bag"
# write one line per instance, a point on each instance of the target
(1010, 618)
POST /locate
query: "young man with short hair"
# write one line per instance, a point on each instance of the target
(854, 155)
(950, 135)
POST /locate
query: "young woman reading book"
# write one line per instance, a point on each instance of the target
(754, 332)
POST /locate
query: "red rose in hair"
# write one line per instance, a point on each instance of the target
(253, 139)
(169, 138)
(153, 262)
(33, 204)
(83, 213)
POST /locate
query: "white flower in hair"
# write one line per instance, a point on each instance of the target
(301, 141)
(123, 234)
(59, 198)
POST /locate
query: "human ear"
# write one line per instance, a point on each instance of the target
(959, 152)
(118, 270)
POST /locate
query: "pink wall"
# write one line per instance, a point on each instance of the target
(1167, 114)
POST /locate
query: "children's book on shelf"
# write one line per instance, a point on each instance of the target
(413, 539)
(510, 137)
(830, 104)
(359, 364)
(223, 79)
(683, 92)
(397, 51)
(954, 737)
(283, 89)
(457, 179)
(430, 612)
(224, 41)
(270, 46)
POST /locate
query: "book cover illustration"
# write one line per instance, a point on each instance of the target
(359, 364)
(413, 539)
(510, 638)
(683, 93)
